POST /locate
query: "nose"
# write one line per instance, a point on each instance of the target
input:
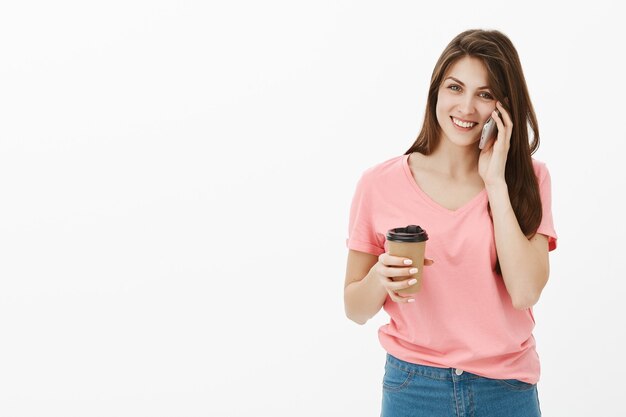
(466, 106)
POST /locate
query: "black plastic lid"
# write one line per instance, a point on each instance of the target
(411, 233)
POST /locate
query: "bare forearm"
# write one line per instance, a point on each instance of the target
(364, 298)
(522, 269)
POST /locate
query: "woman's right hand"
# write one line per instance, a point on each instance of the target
(393, 266)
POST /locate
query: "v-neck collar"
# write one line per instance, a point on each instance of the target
(481, 196)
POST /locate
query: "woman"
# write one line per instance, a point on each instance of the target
(462, 345)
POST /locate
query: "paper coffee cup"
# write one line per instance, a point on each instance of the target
(408, 242)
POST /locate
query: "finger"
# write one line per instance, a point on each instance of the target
(498, 120)
(505, 115)
(428, 262)
(508, 123)
(399, 298)
(387, 259)
(502, 133)
(394, 271)
(399, 285)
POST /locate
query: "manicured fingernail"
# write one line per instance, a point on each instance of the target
(413, 281)
(413, 271)
(410, 300)
(408, 261)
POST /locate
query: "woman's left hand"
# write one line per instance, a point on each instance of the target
(492, 159)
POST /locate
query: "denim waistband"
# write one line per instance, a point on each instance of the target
(447, 374)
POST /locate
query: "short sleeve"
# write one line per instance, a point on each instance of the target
(547, 223)
(361, 230)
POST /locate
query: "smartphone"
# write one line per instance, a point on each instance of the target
(490, 130)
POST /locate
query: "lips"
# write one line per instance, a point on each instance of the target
(460, 127)
(463, 120)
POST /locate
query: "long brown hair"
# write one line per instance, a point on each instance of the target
(508, 84)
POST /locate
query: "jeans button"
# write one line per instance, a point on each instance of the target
(458, 371)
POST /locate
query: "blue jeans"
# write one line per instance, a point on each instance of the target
(418, 390)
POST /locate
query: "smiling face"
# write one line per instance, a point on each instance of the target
(464, 96)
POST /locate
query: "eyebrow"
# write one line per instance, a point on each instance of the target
(460, 82)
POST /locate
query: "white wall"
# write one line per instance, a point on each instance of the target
(156, 155)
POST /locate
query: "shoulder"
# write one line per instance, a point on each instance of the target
(540, 168)
(384, 171)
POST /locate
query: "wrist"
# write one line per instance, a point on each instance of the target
(496, 186)
(373, 282)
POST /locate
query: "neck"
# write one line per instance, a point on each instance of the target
(453, 161)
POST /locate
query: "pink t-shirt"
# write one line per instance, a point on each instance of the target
(463, 317)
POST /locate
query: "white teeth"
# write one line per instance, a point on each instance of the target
(462, 124)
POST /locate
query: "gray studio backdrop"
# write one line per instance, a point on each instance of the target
(175, 184)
